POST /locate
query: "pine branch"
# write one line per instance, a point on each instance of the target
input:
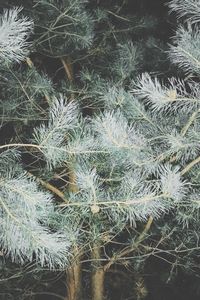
(14, 32)
(50, 187)
(126, 251)
(161, 97)
(188, 9)
(68, 68)
(190, 166)
(23, 212)
(185, 53)
(190, 122)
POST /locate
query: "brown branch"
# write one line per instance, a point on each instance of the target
(68, 68)
(146, 229)
(129, 249)
(50, 187)
(72, 182)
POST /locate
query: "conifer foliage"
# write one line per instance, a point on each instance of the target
(23, 206)
(124, 145)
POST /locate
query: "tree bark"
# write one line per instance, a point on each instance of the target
(74, 278)
(98, 274)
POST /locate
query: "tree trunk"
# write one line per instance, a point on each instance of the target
(74, 285)
(98, 274)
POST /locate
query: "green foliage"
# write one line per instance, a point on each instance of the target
(62, 27)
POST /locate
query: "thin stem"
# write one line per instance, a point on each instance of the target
(131, 248)
(40, 147)
(190, 166)
(50, 187)
(121, 202)
(189, 123)
(68, 68)
(144, 232)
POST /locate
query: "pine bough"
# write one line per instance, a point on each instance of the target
(139, 157)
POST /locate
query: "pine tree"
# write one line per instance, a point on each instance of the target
(124, 146)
